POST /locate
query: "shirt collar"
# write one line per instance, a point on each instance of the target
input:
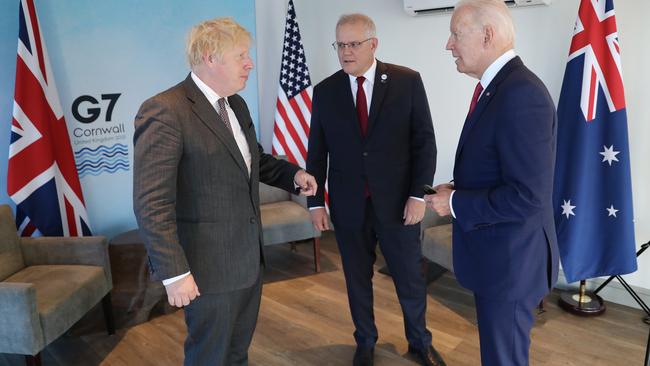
(495, 67)
(369, 74)
(212, 96)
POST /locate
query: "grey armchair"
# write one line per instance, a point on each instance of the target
(285, 219)
(436, 239)
(46, 285)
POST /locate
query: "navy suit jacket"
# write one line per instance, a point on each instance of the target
(503, 176)
(396, 157)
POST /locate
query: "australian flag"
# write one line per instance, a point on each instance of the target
(593, 190)
(42, 177)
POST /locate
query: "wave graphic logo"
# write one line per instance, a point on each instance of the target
(102, 159)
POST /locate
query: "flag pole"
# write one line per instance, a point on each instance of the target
(647, 348)
(584, 303)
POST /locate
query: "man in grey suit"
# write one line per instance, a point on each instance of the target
(197, 168)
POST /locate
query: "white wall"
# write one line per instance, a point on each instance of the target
(543, 37)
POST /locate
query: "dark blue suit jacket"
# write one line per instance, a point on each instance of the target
(396, 157)
(503, 176)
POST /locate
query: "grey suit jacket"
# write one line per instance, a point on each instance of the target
(195, 204)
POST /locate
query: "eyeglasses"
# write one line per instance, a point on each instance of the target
(340, 46)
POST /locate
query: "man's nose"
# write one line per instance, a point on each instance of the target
(249, 64)
(450, 44)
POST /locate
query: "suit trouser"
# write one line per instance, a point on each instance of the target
(401, 248)
(220, 326)
(504, 329)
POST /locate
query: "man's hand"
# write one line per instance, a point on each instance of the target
(439, 202)
(306, 182)
(413, 211)
(181, 292)
(319, 219)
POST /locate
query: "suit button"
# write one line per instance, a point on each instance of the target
(365, 153)
(252, 220)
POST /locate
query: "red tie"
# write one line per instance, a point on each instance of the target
(362, 115)
(362, 106)
(477, 93)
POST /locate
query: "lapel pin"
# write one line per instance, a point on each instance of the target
(487, 94)
(383, 78)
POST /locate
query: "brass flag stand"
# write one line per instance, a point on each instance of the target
(584, 303)
(589, 303)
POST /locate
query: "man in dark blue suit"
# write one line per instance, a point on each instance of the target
(504, 239)
(371, 123)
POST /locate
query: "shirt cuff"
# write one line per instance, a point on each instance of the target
(169, 281)
(417, 198)
(451, 208)
(315, 207)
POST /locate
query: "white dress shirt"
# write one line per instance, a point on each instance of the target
(368, 84)
(240, 138)
(237, 131)
(486, 79)
(368, 87)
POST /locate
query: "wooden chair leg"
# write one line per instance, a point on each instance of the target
(107, 307)
(317, 254)
(33, 360)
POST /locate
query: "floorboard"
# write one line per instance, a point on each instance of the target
(304, 320)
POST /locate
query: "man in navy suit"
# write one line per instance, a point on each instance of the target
(371, 123)
(504, 239)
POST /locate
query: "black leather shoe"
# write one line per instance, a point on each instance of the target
(364, 356)
(428, 356)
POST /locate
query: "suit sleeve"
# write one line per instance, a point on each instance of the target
(423, 141)
(277, 172)
(526, 152)
(317, 152)
(158, 147)
(273, 171)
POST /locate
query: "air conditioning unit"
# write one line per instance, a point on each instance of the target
(421, 7)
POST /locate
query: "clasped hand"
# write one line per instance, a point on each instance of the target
(306, 182)
(439, 202)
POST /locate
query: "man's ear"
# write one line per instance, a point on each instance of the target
(488, 35)
(208, 59)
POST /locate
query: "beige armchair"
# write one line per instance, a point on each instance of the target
(46, 285)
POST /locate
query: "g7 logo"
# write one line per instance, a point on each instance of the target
(92, 113)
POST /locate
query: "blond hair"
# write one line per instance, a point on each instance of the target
(213, 38)
(366, 21)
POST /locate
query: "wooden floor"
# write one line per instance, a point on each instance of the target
(304, 320)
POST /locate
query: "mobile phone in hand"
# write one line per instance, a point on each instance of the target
(428, 189)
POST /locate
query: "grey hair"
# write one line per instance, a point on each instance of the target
(494, 13)
(366, 21)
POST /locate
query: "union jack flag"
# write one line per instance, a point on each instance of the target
(593, 189)
(293, 106)
(42, 177)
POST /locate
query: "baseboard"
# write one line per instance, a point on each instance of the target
(613, 292)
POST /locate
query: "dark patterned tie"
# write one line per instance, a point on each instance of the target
(362, 106)
(223, 113)
(477, 93)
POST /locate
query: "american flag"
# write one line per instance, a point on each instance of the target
(293, 107)
(42, 177)
(593, 190)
